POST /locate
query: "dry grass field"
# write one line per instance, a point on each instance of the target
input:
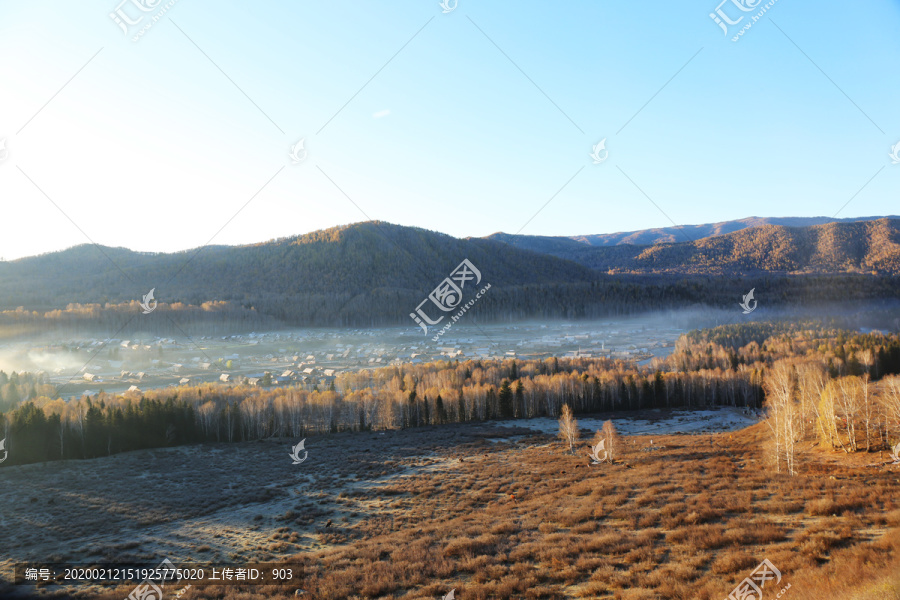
(492, 512)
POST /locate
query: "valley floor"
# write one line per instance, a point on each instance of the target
(492, 510)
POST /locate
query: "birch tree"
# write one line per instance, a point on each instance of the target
(568, 428)
(812, 378)
(891, 400)
(613, 441)
(847, 399)
(779, 384)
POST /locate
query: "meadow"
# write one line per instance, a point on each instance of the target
(488, 510)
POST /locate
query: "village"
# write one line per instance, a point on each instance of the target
(312, 358)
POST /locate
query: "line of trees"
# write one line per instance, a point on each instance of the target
(388, 398)
(808, 374)
(17, 387)
(822, 384)
(167, 319)
(849, 413)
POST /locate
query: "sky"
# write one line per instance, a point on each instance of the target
(468, 122)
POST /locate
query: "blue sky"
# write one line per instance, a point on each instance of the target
(467, 122)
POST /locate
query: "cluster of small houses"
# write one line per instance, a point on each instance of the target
(288, 377)
(297, 370)
(307, 371)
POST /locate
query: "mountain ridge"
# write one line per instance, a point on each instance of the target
(657, 235)
(373, 273)
(863, 246)
(683, 233)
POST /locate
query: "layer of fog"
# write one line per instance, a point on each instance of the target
(52, 352)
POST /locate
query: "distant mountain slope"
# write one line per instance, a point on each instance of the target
(664, 235)
(860, 247)
(695, 232)
(557, 246)
(367, 271)
(372, 274)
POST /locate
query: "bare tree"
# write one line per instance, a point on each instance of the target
(782, 413)
(826, 416)
(867, 408)
(811, 379)
(891, 400)
(613, 441)
(867, 358)
(229, 421)
(848, 401)
(207, 414)
(568, 428)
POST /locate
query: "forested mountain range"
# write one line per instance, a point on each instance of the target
(363, 274)
(851, 247)
(669, 235)
(370, 257)
(374, 273)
